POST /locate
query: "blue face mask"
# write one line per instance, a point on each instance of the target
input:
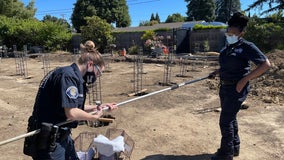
(90, 77)
(232, 39)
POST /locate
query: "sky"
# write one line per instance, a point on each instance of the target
(139, 10)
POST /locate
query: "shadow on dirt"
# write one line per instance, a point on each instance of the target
(178, 157)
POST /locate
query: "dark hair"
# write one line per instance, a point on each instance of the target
(238, 20)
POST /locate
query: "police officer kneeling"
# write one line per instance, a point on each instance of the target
(60, 98)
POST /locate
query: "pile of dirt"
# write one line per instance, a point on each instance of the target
(269, 87)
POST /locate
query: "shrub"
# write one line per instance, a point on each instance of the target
(203, 27)
(267, 36)
(133, 50)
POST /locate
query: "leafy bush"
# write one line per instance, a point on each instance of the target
(133, 50)
(33, 32)
(149, 34)
(267, 36)
(205, 46)
(203, 27)
(99, 31)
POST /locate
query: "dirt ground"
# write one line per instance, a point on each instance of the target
(179, 124)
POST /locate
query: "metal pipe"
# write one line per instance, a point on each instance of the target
(20, 137)
(118, 104)
(162, 90)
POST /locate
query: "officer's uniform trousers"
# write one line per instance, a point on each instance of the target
(64, 150)
(231, 102)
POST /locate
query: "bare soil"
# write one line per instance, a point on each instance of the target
(179, 124)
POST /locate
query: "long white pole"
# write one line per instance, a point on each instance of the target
(20, 137)
(118, 104)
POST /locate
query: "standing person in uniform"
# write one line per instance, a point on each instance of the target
(235, 74)
(61, 97)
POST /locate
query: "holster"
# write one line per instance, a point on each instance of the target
(44, 140)
(47, 137)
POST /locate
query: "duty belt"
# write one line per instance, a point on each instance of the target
(228, 82)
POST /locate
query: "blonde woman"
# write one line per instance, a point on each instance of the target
(61, 97)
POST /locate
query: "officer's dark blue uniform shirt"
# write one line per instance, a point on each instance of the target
(235, 60)
(63, 87)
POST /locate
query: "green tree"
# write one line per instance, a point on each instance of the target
(176, 17)
(144, 23)
(113, 11)
(82, 9)
(14, 31)
(148, 23)
(225, 8)
(201, 10)
(152, 17)
(157, 18)
(99, 31)
(54, 35)
(61, 21)
(277, 18)
(274, 5)
(122, 15)
(15, 8)
(266, 33)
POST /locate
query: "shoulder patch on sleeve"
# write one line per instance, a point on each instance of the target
(72, 92)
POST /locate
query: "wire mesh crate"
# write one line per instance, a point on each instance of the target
(112, 133)
(85, 141)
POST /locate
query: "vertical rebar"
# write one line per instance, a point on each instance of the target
(108, 59)
(1, 55)
(17, 60)
(25, 61)
(168, 61)
(4, 52)
(183, 67)
(45, 63)
(138, 72)
(20, 62)
(167, 69)
(95, 92)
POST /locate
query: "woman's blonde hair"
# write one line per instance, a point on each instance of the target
(89, 46)
(90, 53)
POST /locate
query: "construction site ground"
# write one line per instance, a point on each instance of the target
(179, 124)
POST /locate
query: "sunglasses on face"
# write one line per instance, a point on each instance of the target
(99, 73)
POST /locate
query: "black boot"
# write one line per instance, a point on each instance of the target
(236, 151)
(219, 156)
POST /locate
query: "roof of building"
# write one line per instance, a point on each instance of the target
(145, 28)
(184, 25)
(192, 23)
